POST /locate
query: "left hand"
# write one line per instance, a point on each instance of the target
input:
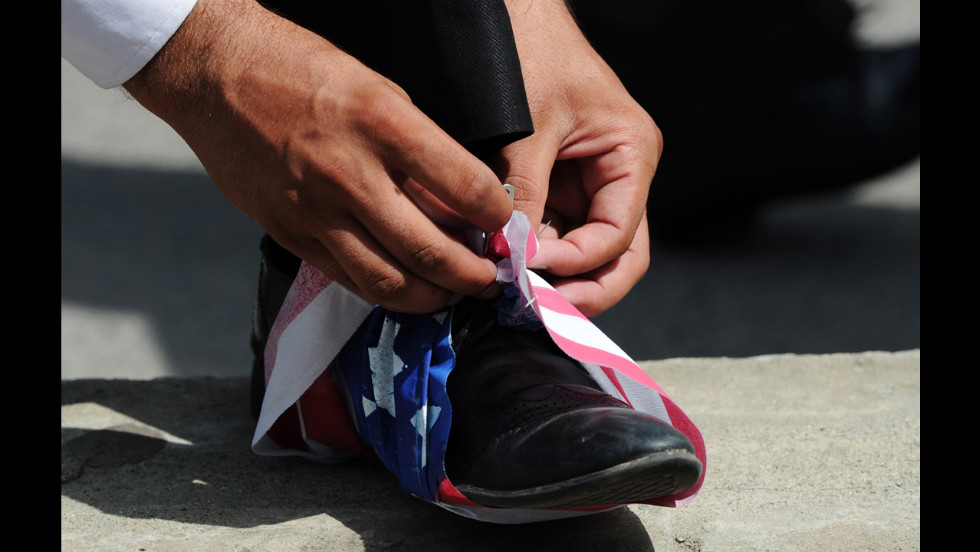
(584, 176)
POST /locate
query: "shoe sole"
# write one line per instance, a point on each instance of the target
(638, 480)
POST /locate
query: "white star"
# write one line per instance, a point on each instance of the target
(368, 405)
(423, 420)
(385, 365)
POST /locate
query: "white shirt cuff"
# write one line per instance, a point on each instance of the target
(109, 41)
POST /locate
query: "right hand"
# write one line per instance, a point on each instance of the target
(328, 156)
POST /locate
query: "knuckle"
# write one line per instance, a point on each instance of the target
(469, 183)
(401, 295)
(428, 257)
(378, 112)
(480, 190)
(384, 286)
(332, 168)
(433, 262)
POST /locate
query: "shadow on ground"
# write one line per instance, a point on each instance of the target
(214, 479)
(167, 247)
(823, 275)
(820, 275)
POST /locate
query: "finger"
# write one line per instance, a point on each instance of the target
(617, 205)
(432, 206)
(527, 165)
(350, 256)
(377, 275)
(566, 194)
(553, 227)
(599, 290)
(415, 146)
(418, 245)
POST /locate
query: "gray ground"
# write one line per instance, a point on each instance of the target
(805, 453)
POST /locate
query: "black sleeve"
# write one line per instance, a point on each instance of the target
(457, 60)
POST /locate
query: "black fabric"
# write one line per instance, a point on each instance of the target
(456, 60)
(719, 78)
(757, 101)
(461, 68)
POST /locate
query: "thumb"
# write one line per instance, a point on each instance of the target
(527, 165)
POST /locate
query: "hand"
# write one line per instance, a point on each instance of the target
(588, 167)
(325, 154)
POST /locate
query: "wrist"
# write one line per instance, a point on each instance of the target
(544, 24)
(187, 76)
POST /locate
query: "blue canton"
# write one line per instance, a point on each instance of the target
(395, 369)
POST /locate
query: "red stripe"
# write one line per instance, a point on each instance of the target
(550, 299)
(611, 374)
(447, 493)
(309, 283)
(531, 247)
(286, 432)
(326, 419)
(680, 421)
(586, 353)
(307, 286)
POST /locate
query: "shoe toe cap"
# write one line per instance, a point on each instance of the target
(574, 444)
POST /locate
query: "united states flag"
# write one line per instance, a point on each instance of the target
(347, 378)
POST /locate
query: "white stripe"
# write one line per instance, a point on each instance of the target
(307, 346)
(599, 375)
(580, 330)
(645, 399)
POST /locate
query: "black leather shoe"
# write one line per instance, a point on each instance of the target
(531, 428)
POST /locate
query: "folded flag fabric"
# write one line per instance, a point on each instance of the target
(394, 370)
(347, 378)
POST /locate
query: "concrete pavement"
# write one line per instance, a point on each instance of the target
(805, 453)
